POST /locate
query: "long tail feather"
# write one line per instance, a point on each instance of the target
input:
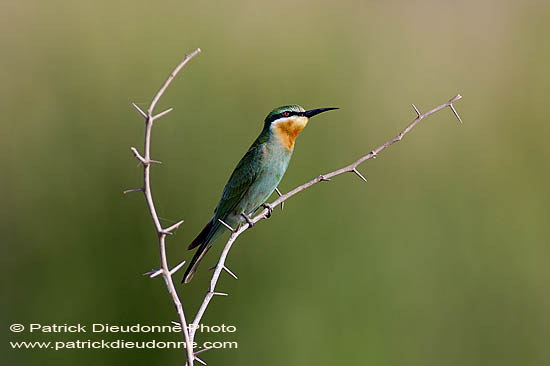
(201, 238)
(199, 254)
(205, 239)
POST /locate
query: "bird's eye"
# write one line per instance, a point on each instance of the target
(286, 114)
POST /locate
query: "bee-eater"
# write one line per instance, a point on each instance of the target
(255, 177)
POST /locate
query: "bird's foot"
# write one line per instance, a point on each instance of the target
(269, 209)
(250, 223)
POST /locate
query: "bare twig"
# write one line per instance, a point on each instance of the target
(146, 161)
(351, 168)
(133, 190)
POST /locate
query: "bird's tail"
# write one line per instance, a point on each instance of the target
(201, 238)
(199, 254)
(204, 239)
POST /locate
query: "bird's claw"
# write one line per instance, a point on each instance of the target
(269, 209)
(249, 222)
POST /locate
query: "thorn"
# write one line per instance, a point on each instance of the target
(174, 227)
(143, 114)
(142, 159)
(280, 194)
(162, 114)
(250, 223)
(269, 209)
(219, 294)
(153, 274)
(198, 359)
(226, 225)
(202, 350)
(323, 179)
(454, 111)
(138, 155)
(231, 273)
(373, 153)
(226, 269)
(359, 174)
(133, 190)
(176, 268)
(416, 110)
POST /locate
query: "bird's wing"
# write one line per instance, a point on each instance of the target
(240, 181)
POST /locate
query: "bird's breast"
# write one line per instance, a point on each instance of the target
(287, 130)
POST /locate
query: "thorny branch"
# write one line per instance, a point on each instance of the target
(167, 273)
(146, 161)
(351, 168)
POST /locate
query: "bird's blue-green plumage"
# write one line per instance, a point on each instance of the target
(254, 179)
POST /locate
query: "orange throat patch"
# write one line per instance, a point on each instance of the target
(289, 129)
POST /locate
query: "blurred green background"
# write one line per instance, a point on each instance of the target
(441, 259)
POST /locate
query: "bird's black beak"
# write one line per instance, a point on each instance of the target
(314, 112)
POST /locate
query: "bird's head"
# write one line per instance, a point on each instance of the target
(288, 121)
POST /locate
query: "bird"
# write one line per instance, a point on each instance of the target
(255, 177)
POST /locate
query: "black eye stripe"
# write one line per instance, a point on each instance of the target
(281, 115)
(290, 114)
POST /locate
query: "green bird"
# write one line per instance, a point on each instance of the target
(255, 177)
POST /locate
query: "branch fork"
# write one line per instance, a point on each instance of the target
(188, 331)
(142, 159)
(146, 161)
